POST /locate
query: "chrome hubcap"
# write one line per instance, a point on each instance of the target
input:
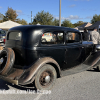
(47, 79)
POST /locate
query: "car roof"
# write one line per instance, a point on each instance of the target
(32, 27)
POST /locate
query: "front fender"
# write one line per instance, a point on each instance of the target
(29, 74)
(93, 59)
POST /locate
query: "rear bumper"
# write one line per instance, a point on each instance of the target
(18, 77)
(9, 80)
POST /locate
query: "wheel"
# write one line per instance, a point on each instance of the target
(45, 77)
(7, 58)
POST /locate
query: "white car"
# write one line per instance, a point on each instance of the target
(48, 38)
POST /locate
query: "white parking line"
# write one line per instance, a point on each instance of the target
(38, 97)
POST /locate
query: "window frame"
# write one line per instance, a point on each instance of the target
(73, 42)
(48, 31)
(15, 38)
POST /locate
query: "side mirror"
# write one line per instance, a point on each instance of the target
(97, 47)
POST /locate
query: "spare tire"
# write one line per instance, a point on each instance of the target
(7, 59)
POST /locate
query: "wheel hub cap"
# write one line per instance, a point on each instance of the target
(47, 79)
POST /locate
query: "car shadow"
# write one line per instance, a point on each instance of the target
(93, 70)
(5, 86)
(29, 87)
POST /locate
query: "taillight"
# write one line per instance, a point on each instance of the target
(4, 41)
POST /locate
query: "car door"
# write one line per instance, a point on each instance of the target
(74, 50)
(52, 45)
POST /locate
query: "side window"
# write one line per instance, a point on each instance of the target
(14, 36)
(52, 38)
(72, 37)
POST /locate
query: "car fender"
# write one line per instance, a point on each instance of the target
(93, 59)
(29, 75)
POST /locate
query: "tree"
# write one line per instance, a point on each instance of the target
(67, 23)
(79, 23)
(43, 18)
(1, 21)
(23, 22)
(1, 16)
(95, 18)
(10, 15)
(55, 22)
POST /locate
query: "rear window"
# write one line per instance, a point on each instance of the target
(14, 36)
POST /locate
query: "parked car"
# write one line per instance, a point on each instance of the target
(48, 37)
(27, 59)
(2, 36)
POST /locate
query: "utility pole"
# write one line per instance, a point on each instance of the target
(31, 17)
(59, 12)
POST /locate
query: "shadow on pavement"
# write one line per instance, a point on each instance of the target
(93, 70)
(29, 87)
(3, 85)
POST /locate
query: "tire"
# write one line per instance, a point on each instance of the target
(45, 77)
(7, 58)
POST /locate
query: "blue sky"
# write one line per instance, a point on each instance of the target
(73, 10)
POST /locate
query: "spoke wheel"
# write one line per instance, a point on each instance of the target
(45, 77)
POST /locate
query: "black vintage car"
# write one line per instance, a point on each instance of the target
(40, 54)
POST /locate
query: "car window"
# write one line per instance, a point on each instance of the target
(73, 37)
(52, 38)
(14, 36)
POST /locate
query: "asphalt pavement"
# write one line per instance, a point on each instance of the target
(80, 86)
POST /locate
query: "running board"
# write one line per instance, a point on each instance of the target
(76, 69)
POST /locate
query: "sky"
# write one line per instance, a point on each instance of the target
(73, 10)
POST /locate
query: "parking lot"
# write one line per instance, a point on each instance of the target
(80, 86)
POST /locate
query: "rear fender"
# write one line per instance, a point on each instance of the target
(29, 74)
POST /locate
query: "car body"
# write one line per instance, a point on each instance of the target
(34, 60)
